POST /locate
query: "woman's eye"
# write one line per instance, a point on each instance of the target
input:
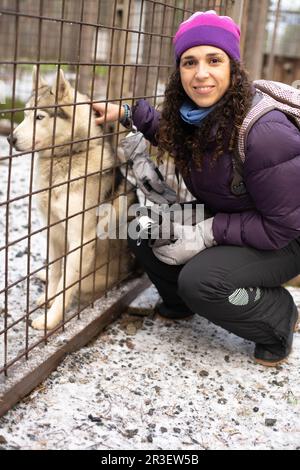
(39, 117)
(215, 61)
(189, 63)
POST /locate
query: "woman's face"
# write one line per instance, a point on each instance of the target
(205, 74)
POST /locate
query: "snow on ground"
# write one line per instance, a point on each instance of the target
(144, 383)
(18, 263)
(161, 385)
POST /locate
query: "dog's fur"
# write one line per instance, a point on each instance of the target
(69, 161)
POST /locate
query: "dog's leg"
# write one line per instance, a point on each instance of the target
(56, 250)
(72, 271)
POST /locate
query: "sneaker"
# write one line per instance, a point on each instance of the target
(171, 313)
(272, 355)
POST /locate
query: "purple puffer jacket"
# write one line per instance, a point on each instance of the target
(268, 216)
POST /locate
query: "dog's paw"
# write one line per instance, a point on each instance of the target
(39, 322)
(42, 300)
(41, 275)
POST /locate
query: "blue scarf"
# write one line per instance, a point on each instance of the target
(192, 114)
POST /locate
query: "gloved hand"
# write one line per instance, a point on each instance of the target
(190, 240)
(155, 224)
(148, 177)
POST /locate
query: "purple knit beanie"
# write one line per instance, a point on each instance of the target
(208, 29)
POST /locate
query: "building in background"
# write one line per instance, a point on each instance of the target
(282, 47)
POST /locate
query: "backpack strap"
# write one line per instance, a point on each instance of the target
(266, 104)
(261, 105)
(268, 96)
(238, 187)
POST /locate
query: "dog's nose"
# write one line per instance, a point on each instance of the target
(11, 139)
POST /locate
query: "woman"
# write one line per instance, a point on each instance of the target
(249, 246)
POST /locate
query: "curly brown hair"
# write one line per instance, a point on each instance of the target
(182, 141)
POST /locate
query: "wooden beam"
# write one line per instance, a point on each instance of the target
(235, 10)
(26, 376)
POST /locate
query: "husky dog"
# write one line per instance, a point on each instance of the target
(75, 252)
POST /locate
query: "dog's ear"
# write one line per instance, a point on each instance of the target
(63, 86)
(37, 80)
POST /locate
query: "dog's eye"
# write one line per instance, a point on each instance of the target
(39, 117)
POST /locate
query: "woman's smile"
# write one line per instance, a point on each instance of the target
(203, 90)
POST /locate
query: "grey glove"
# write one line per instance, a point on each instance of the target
(155, 224)
(175, 233)
(190, 240)
(148, 177)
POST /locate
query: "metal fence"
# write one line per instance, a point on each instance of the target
(282, 53)
(65, 167)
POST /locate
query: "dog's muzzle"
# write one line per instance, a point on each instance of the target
(12, 140)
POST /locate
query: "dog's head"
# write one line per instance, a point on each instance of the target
(49, 119)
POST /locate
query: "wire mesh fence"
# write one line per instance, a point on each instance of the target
(58, 163)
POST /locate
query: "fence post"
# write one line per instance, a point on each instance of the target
(254, 27)
(270, 69)
(236, 9)
(86, 47)
(118, 48)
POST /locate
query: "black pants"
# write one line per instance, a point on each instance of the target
(237, 288)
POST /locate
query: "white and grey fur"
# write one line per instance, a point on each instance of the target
(53, 169)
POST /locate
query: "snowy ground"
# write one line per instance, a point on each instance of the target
(148, 383)
(19, 263)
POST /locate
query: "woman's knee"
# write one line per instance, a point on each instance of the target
(197, 281)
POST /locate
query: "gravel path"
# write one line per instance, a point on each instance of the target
(147, 383)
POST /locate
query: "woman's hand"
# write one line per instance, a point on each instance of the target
(108, 112)
(148, 177)
(190, 240)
